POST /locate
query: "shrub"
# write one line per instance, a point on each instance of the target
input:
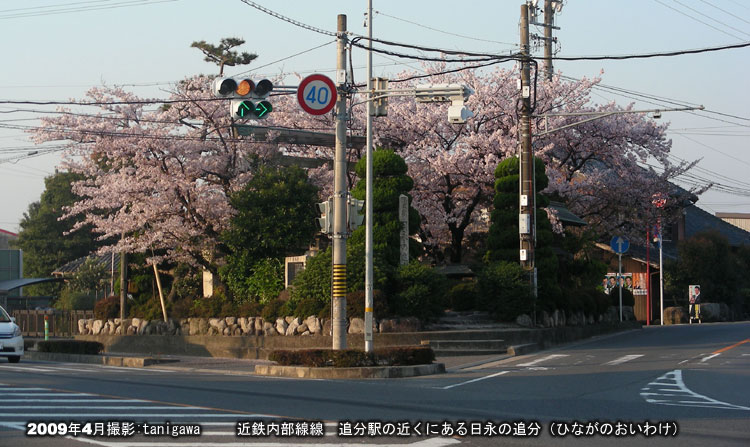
(309, 306)
(350, 358)
(421, 291)
(355, 304)
(147, 307)
(273, 310)
(73, 300)
(406, 355)
(70, 347)
(107, 308)
(504, 290)
(463, 296)
(627, 297)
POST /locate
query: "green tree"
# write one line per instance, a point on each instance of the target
(222, 54)
(43, 236)
(390, 180)
(312, 287)
(502, 240)
(706, 259)
(275, 218)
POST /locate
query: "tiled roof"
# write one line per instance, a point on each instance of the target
(72, 267)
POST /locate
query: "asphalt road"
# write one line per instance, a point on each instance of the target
(689, 380)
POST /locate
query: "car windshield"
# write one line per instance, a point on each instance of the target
(4, 318)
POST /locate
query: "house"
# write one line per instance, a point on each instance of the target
(640, 262)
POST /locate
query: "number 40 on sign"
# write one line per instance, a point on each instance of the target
(316, 94)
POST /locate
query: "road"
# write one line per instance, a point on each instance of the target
(688, 378)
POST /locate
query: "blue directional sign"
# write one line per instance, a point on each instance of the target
(619, 244)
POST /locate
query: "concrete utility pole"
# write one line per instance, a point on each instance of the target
(123, 281)
(369, 273)
(338, 287)
(526, 221)
(548, 21)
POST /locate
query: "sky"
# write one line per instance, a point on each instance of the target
(57, 49)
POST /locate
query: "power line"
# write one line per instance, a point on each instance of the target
(287, 19)
(710, 18)
(444, 32)
(697, 19)
(652, 55)
(63, 10)
(725, 11)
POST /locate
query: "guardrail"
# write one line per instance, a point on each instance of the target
(61, 323)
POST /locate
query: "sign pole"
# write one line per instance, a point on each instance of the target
(619, 277)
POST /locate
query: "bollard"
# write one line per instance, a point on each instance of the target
(46, 327)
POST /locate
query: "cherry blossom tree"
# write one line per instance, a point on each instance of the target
(157, 172)
(599, 168)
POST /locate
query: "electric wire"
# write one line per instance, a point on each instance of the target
(444, 32)
(710, 18)
(287, 19)
(697, 19)
(725, 11)
(123, 4)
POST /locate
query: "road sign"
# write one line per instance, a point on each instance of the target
(316, 94)
(619, 244)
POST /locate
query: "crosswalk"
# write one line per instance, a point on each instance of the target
(78, 368)
(100, 420)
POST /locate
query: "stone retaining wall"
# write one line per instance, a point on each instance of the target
(233, 326)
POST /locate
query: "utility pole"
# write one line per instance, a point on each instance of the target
(526, 221)
(123, 280)
(548, 21)
(368, 192)
(338, 288)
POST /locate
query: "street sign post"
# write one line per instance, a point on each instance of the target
(619, 245)
(316, 94)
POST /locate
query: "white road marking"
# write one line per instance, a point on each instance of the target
(704, 359)
(3, 401)
(27, 368)
(682, 396)
(97, 407)
(623, 359)
(47, 394)
(543, 359)
(473, 380)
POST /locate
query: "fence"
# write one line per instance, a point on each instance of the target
(62, 323)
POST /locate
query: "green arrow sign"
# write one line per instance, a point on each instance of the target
(245, 109)
(262, 109)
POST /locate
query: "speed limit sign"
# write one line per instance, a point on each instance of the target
(316, 94)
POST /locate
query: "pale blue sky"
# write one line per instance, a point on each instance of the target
(59, 56)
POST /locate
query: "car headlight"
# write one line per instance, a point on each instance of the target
(16, 331)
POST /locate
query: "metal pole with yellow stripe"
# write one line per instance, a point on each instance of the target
(340, 192)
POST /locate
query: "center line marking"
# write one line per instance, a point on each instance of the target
(475, 380)
(543, 359)
(623, 359)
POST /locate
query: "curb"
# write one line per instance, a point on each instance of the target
(373, 372)
(523, 349)
(134, 362)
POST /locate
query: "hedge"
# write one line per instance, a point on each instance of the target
(70, 347)
(349, 358)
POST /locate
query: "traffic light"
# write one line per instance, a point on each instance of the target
(355, 214)
(248, 97)
(380, 105)
(325, 221)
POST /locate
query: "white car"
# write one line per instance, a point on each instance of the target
(11, 340)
